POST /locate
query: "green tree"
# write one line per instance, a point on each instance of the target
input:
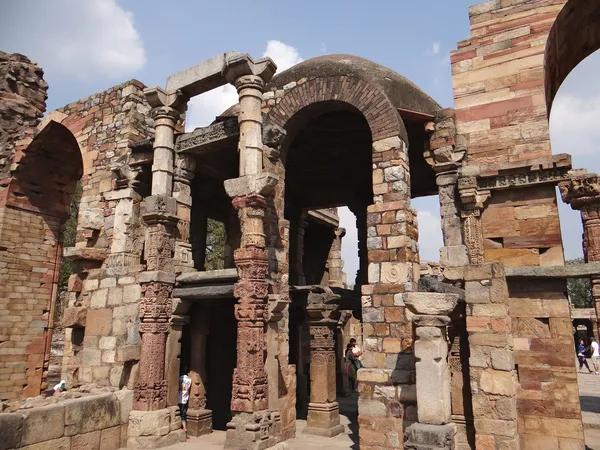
(67, 237)
(215, 245)
(579, 289)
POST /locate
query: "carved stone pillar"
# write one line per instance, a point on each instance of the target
(323, 410)
(166, 110)
(431, 317)
(335, 261)
(172, 357)
(446, 159)
(199, 418)
(160, 217)
(252, 425)
(473, 200)
(582, 192)
(182, 192)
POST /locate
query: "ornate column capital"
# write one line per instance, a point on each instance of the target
(470, 195)
(169, 104)
(445, 159)
(240, 65)
(581, 191)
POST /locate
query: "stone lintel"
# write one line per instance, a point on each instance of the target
(204, 292)
(431, 303)
(202, 77)
(84, 254)
(158, 276)
(203, 141)
(261, 184)
(559, 161)
(568, 271)
(207, 277)
(584, 313)
(325, 217)
(121, 194)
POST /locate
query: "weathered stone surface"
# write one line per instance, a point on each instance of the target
(63, 443)
(10, 430)
(43, 424)
(431, 437)
(564, 272)
(74, 317)
(86, 441)
(431, 303)
(149, 423)
(497, 382)
(87, 414)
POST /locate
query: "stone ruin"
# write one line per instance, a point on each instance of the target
(478, 353)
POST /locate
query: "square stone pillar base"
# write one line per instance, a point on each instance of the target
(154, 429)
(323, 419)
(199, 422)
(251, 431)
(422, 436)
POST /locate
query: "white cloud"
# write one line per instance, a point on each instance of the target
(434, 49)
(85, 39)
(349, 243)
(285, 56)
(430, 235)
(574, 123)
(203, 109)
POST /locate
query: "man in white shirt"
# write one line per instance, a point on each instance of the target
(595, 355)
(185, 383)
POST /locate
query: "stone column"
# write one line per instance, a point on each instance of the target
(323, 410)
(199, 418)
(473, 200)
(252, 423)
(582, 192)
(445, 156)
(431, 317)
(182, 192)
(335, 261)
(159, 212)
(172, 362)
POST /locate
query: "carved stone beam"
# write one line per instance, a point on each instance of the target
(581, 190)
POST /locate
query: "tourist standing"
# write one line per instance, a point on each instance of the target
(581, 357)
(185, 383)
(352, 366)
(595, 355)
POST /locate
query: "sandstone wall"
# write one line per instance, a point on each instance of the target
(27, 241)
(40, 167)
(103, 297)
(498, 80)
(97, 422)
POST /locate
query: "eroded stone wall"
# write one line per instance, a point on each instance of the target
(512, 215)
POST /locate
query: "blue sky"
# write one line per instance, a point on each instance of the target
(88, 46)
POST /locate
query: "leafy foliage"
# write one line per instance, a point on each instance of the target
(68, 237)
(215, 245)
(580, 289)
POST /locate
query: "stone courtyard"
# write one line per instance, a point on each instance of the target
(473, 352)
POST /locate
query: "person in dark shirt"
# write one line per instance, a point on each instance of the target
(581, 357)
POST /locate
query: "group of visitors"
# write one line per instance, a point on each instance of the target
(581, 355)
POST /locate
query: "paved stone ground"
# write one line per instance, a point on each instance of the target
(344, 441)
(589, 392)
(589, 396)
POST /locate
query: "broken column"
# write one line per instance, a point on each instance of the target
(335, 261)
(323, 409)
(445, 157)
(159, 212)
(434, 408)
(582, 192)
(184, 166)
(252, 424)
(199, 417)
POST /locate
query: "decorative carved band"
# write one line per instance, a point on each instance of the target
(473, 234)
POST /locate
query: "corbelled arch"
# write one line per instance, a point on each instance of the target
(379, 112)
